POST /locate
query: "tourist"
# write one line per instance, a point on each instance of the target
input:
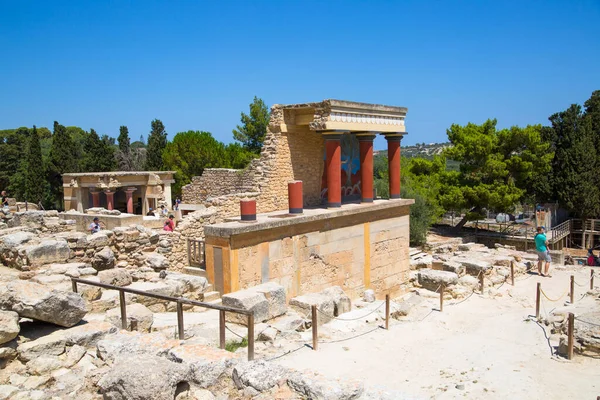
(150, 213)
(592, 260)
(169, 224)
(163, 210)
(177, 202)
(541, 245)
(4, 199)
(95, 226)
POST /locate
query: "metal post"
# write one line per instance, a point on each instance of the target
(572, 289)
(481, 281)
(442, 297)
(74, 284)
(221, 329)
(123, 309)
(315, 333)
(251, 336)
(387, 311)
(512, 273)
(538, 294)
(180, 328)
(571, 328)
(592, 279)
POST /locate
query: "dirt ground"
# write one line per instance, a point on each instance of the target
(483, 348)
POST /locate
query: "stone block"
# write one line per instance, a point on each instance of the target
(9, 326)
(104, 259)
(48, 251)
(431, 280)
(303, 306)
(249, 300)
(475, 267)
(139, 317)
(455, 267)
(118, 277)
(275, 295)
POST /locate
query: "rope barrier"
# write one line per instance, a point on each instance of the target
(287, 352)
(241, 337)
(554, 301)
(353, 337)
(587, 322)
(350, 319)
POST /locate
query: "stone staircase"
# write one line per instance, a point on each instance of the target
(210, 296)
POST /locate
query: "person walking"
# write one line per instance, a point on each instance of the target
(541, 246)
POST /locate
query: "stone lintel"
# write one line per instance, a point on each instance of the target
(281, 219)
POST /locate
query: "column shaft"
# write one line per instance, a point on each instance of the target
(129, 193)
(366, 167)
(109, 199)
(334, 170)
(394, 165)
(95, 199)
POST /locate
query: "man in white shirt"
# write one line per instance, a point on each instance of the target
(95, 226)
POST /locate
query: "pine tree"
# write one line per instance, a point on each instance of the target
(157, 141)
(252, 133)
(34, 175)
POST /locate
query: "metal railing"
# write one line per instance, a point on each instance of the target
(560, 231)
(195, 253)
(180, 302)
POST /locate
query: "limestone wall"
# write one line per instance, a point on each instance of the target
(365, 256)
(192, 227)
(293, 154)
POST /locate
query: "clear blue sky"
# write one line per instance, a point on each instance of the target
(198, 64)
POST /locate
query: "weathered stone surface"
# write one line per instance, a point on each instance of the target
(6, 391)
(275, 295)
(157, 261)
(118, 277)
(69, 269)
(206, 374)
(455, 267)
(87, 334)
(35, 301)
(369, 295)
(431, 279)
(51, 345)
(9, 326)
(139, 318)
(99, 239)
(258, 375)
(249, 300)
(325, 306)
(104, 259)
(404, 308)
(43, 364)
(48, 251)
(194, 284)
(268, 334)
(74, 355)
(341, 301)
(143, 377)
(475, 267)
(16, 239)
(314, 386)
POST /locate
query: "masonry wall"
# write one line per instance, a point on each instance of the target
(355, 255)
(296, 154)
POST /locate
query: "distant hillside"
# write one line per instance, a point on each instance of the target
(423, 150)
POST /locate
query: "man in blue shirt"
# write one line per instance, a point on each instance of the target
(541, 245)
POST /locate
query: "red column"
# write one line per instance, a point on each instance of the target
(296, 203)
(129, 193)
(394, 164)
(109, 199)
(95, 199)
(334, 170)
(365, 143)
(248, 209)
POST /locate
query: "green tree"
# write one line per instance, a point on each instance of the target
(124, 153)
(190, 153)
(237, 156)
(575, 164)
(61, 160)
(157, 141)
(497, 168)
(251, 134)
(99, 153)
(12, 147)
(35, 183)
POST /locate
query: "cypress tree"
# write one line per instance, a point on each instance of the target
(62, 160)
(157, 141)
(124, 141)
(99, 153)
(34, 175)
